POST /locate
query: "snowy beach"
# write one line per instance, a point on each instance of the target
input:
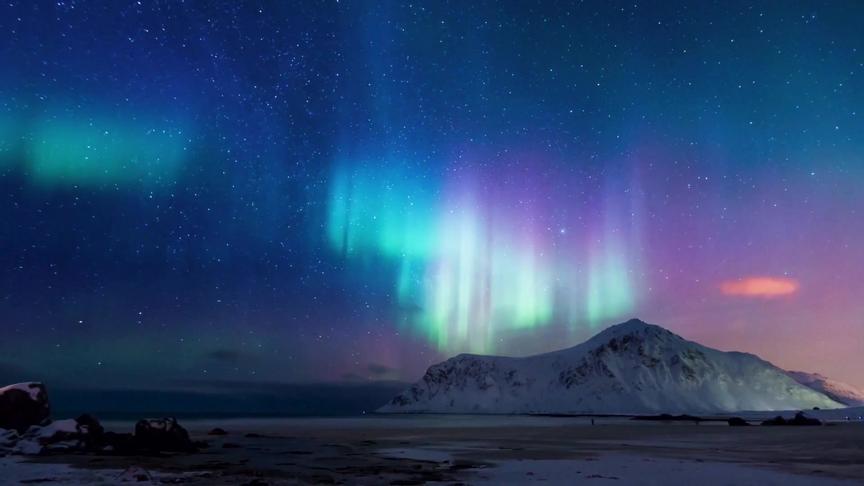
(473, 450)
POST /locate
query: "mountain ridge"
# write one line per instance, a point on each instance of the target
(833, 389)
(630, 368)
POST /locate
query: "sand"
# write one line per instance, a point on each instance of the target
(479, 450)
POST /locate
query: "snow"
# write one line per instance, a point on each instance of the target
(8, 438)
(16, 470)
(134, 474)
(36, 438)
(27, 447)
(624, 469)
(632, 368)
(32, 388)
(48, 431)
(839, 391)
(416, 454)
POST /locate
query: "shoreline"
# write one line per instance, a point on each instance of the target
(442, 449)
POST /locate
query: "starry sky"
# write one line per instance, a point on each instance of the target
(349, 191)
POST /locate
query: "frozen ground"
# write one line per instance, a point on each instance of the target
(18, 470)
(645, 471)
(15, 470)
(478, 450)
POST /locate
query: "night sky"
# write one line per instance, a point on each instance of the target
(350, 191)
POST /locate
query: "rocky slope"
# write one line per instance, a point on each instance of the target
(836, 390)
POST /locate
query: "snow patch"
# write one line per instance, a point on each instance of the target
(621, 469)
(839, 391)
(32, 388)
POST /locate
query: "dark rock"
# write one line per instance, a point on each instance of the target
(119, 443)
(737, 422)
(253, 435)
(90, 424)
(162, 435)
(23, 405)
(217, 431)
(778, 420)
(85, 434)
(799, 419)
(92, 432)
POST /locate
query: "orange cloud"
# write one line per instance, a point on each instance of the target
(760, 287)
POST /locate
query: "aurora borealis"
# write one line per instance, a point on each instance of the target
(486, 253)
(97, 151)
(331, 191)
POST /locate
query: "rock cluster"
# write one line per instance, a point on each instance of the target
(799, 419)
(26, 428)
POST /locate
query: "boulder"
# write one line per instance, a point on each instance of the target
(162, 435)
(799, 419)
(778, 420)
(119, 443)
(23, 405)
(92, 432)
(737, 422)
(217, 431)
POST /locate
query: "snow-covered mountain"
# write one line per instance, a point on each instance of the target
(835, 390)
(631, 368)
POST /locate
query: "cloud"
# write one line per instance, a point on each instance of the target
(224, 355)
(373, 372)
(760, 287)
(353, 377)
(379, 370)
(227, 397)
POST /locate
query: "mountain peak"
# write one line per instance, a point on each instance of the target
(633, 326)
